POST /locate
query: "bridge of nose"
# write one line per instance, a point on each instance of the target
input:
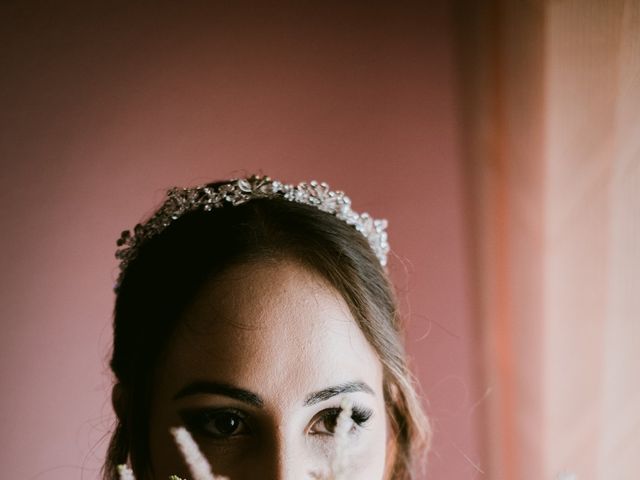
(289, 456)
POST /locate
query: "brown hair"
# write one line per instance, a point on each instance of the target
(169, 269)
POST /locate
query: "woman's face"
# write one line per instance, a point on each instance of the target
(257, 371)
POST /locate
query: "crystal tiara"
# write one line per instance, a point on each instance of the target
(238, 191)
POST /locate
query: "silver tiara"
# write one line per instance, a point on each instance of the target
(238, 191)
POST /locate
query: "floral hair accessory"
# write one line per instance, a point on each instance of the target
(238, 191)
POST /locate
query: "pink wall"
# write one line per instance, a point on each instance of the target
(102, 108)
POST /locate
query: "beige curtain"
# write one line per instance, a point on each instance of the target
(551, 133)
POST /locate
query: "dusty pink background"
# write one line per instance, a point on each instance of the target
(102, 108)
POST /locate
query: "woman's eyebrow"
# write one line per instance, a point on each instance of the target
(329, 392)
(216, 388)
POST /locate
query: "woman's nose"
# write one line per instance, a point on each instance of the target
(290, 459)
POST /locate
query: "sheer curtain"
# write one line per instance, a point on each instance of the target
(551, 134)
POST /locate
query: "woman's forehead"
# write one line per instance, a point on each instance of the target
(267, 295)
(276, 321)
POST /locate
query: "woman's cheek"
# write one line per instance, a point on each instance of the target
(367, 460)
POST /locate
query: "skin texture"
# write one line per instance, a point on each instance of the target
(280, 332)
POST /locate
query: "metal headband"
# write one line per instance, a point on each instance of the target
(238, 191)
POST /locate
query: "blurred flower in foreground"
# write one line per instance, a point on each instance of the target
(339, 462)
(343, 427)
(197, 463)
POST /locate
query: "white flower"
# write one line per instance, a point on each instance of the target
(339, 461)
(197, 463)
(343, 427)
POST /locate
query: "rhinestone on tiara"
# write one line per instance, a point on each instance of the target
(238, 191)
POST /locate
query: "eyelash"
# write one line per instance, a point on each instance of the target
(360, 416)
(196, 420)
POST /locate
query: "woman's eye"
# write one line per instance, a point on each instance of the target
(325, 423)
(215, 423)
